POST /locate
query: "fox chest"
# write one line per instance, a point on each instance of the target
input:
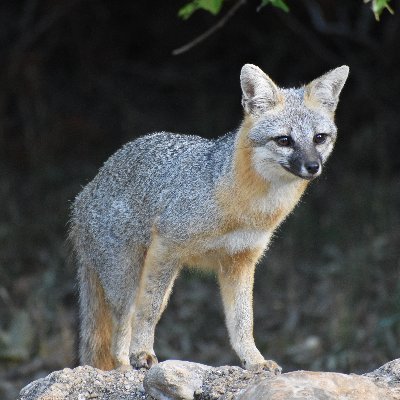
(239, 240)
(253, 223)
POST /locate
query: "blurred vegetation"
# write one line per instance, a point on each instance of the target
(80, 78)
(215, 6)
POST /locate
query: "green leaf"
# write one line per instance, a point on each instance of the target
(276, 3)
(212, 6)
(187, 10)
(378, 6)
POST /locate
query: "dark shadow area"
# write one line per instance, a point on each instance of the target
(80, 78)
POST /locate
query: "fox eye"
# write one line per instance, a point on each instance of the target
(320, 138)
(283, 141)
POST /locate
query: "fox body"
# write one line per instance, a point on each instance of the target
(165, 201)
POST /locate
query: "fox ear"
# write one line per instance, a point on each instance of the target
(325, 90)
(259, 92)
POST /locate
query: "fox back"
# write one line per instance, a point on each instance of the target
(165, 201)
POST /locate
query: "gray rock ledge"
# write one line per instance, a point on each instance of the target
(182, 380)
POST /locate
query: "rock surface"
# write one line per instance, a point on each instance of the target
(175, 379)
(317, 385)
(182, 380)
(83, 383)
(388, 375)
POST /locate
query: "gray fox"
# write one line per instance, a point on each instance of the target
(165, 200)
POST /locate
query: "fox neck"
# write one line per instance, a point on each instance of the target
(249, 197)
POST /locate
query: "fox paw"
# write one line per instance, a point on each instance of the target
(143, 360)
(266, 365)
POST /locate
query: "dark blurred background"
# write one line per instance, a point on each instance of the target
(78, 78)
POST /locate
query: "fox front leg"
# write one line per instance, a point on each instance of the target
(236, 284)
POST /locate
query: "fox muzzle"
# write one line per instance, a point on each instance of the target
(305, 167)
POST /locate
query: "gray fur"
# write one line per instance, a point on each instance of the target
(165, 185)
(140, 188)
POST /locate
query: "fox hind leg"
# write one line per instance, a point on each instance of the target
(158, 276)
(121, 337)
(105, 317)
(127, 286)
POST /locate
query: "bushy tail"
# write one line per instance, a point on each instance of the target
(95, 322)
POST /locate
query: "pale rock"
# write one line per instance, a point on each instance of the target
(304, 385)
(182, 380)
(175, 380)
(86, 383)
(387, 375)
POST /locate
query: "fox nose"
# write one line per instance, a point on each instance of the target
(312, 167)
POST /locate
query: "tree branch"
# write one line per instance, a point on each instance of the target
(210, 31)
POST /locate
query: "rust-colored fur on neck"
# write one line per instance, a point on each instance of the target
(237, 197)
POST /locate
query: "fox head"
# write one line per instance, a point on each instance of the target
(292, 131)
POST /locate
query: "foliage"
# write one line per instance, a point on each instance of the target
(378, 6)
(214, 6)
(276, 3)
